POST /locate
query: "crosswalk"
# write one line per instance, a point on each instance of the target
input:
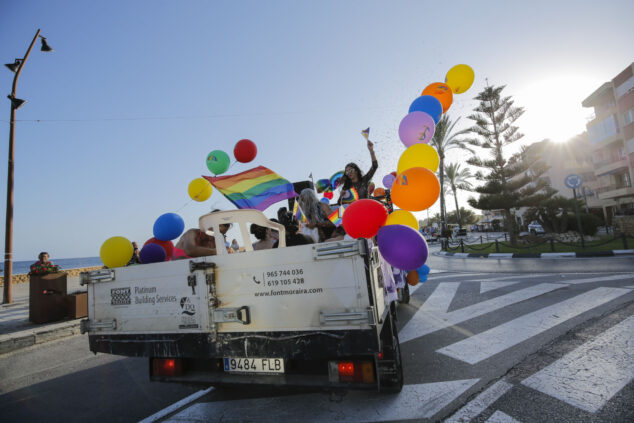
(468, 330)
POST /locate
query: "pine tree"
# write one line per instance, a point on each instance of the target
(510, 183)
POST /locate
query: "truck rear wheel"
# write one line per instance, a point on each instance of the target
(390, 367)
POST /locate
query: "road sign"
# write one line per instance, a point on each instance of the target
(573, 181)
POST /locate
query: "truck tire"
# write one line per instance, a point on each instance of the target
(390, 368)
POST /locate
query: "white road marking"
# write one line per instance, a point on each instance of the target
(500, 417)
(506, 278)
(456, 275)
(440, 300)
(414, 402)
(425, 322)
(486, 344)
(180, 404)
(591, 374)
(599, 279)
(480, 403)
(490, 286)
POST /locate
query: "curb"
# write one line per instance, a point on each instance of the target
(18, 340)
(584, 254)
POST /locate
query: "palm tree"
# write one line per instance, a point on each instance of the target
(457, 179)
(444, 140)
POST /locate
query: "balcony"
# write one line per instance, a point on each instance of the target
(611, 166)
(614, 191)
(607, 141)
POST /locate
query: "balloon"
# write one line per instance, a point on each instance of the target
(218, 162)
(168, 246)
(335, 180)
(329, 194)
(116, 252)
(402, 247)
(419, 155)
(460, 78)
(363, 218)
(371, 188)
(402, 217)
(442, 92)
(412, 278)
(245, 151)
(379, 192)
(428, 104)
(152, 253)
(168, 226)
(199, 189)
(424, 269)
(323, 185)
(388, 180)
(325, 200)
(416, 128)
(415, 189)
(422, 278)
(394, 174)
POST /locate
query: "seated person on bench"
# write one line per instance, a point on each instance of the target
(196, 243)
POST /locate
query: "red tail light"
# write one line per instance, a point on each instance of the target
(351, 371)
(167, 367)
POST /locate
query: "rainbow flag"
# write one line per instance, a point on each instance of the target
(336, 217)
(350, 195)
(298, 213)
(366, 133)
(256, 188)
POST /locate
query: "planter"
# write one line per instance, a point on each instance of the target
(47, 297)
(77, 305)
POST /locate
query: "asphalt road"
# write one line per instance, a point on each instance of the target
(528, 346)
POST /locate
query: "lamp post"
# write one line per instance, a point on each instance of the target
(16, 103)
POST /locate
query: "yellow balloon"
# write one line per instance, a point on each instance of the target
(116, 252)
(419, 155)
(402, 217)
(199, 189)
(460, 78)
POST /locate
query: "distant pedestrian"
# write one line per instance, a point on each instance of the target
(136, 258)
(43, 266)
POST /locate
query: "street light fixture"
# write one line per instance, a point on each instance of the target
(16, 103)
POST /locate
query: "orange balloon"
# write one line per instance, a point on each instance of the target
(412, 277)
(379, 192)
(415, 189)
(442, 92)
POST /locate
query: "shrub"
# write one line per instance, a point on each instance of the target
(589, 223)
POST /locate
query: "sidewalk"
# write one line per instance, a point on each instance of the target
(16, 332)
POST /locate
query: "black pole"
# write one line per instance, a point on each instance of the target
(8, 235)
(574, 193)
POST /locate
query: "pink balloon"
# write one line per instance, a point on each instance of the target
(416, 128)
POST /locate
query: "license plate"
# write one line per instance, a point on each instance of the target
(254, 365)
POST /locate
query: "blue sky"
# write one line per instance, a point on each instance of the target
(121, 116)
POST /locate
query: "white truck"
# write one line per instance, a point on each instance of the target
(308, 315)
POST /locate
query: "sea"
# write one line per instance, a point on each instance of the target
(20, 267)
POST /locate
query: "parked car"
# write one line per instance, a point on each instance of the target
(535, 228)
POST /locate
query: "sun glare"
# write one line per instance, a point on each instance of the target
(553, 108)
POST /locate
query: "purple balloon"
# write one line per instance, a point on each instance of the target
(402, 246)
(388, 180)
(428, 104)
(152, 253)
(416, 128)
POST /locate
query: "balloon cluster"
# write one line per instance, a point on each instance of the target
(117, 251)
(414, 186)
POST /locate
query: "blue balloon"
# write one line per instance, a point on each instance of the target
(422, 278)
(168, 226)
(152, 253)
(325, 200)
(428, 104)
(424, 269)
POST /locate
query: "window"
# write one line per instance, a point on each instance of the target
(625, 87)
(604, 129)
(628, 117)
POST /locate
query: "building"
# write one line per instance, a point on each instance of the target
(611, 134)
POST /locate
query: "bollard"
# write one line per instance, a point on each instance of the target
(624, 238)
(461, 246)
(480, 239)
(552, 245)
(497, 246)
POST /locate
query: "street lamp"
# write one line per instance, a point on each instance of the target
(16, 103)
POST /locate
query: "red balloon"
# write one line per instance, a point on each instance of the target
(394, 173)
(168, 246)
(245, 151)
(363, 218)
(329, 194)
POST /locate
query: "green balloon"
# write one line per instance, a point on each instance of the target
(218, 162)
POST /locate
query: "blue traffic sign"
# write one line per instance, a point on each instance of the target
(573, 181)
